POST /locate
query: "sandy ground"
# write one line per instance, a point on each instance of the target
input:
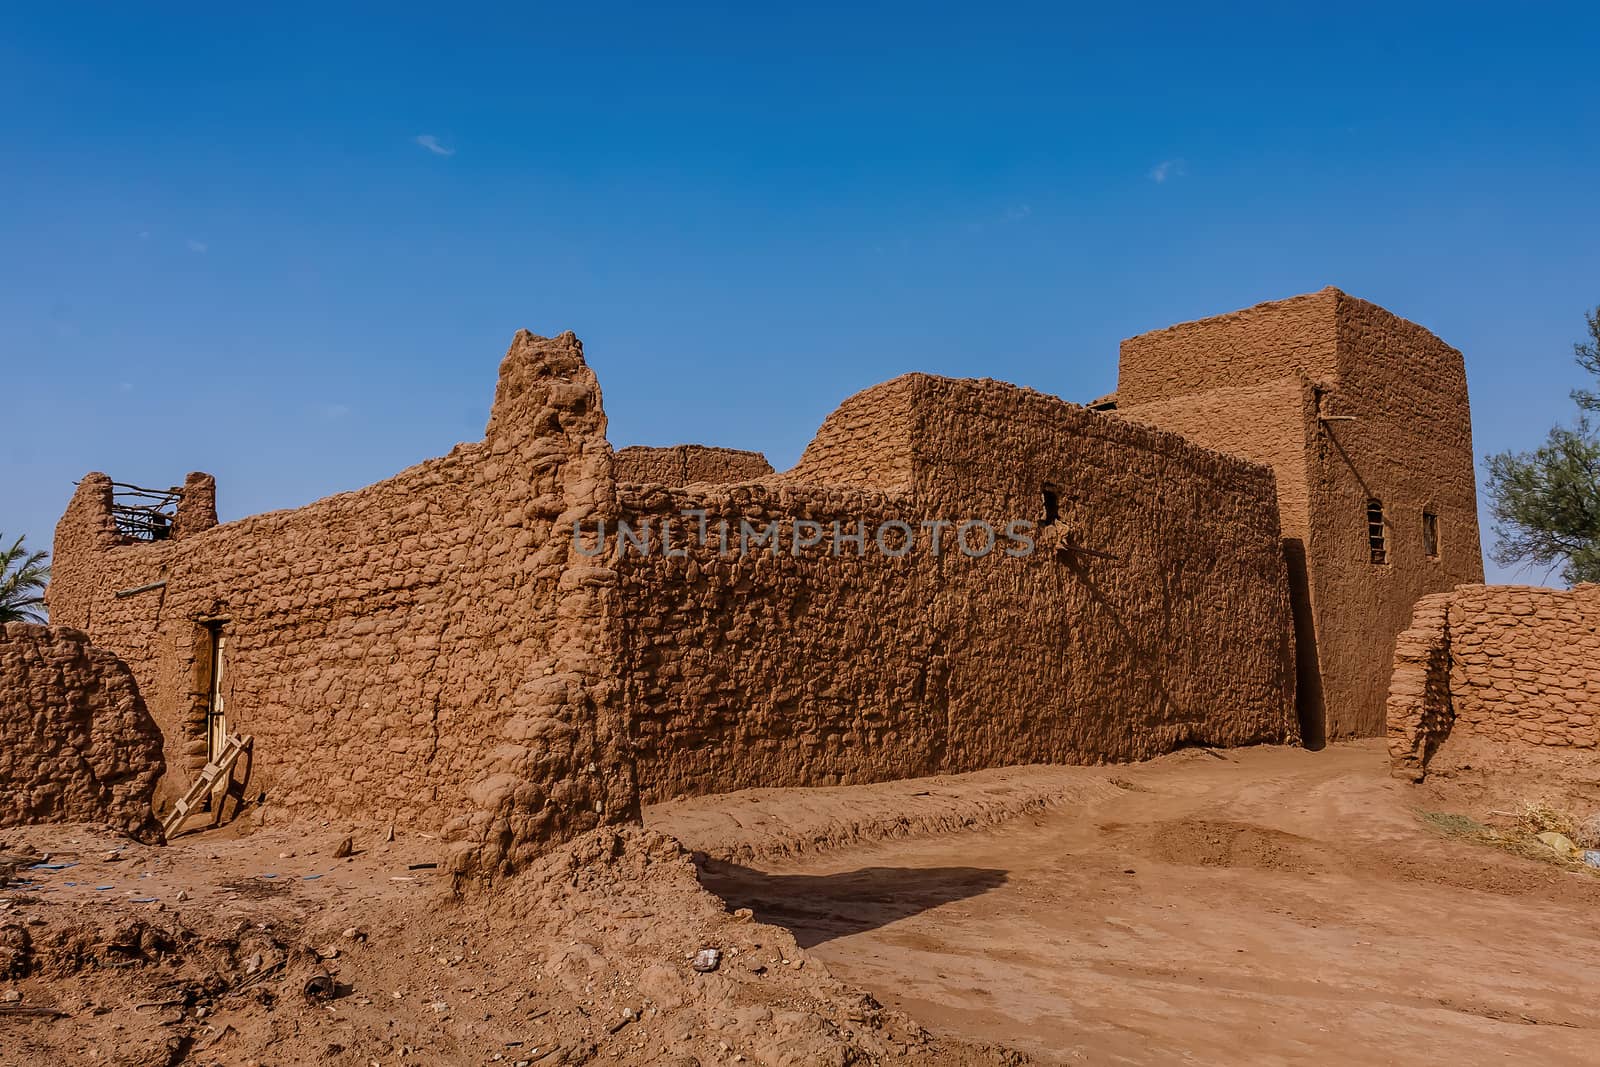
(1269, 905)
(1265, 905)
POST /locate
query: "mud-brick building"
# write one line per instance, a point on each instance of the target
(1152, 611)
(474, 647)
(1364, 419)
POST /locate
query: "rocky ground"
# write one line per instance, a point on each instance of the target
(1270, 904)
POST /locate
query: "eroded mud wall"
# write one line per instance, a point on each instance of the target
(76, 742)
(424, 651)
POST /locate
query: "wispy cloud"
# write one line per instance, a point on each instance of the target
(431, 143)
(1168, 168)
(1015, 213)
(195, 246)
(332, 412)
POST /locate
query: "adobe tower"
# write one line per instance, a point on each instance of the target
(1363, 417)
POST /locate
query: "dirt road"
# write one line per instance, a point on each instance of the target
(1266, 905)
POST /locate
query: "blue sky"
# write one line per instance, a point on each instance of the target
(288, 246)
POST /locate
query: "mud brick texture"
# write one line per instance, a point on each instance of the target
(688, 464)
(1506, 664)
(76, 741)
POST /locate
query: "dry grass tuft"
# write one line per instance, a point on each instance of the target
(1539, 816)
(1521, 839)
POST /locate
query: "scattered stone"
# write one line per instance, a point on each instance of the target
(344, 848)
(707, 960)
(1560, 844)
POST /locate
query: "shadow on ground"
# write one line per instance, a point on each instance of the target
(820, 907)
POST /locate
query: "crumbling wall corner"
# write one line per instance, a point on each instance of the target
(1419, 709)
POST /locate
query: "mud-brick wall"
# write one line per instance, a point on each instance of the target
(866, 441)
(1238, 350)
(1525, 664)
(809, 670)
(688, 464)
(426, 651)
(339, 621)
(1170, 626)
(1524, 668)
(775, 669)
(76, 743)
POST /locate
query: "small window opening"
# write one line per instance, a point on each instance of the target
(1375, 533)
(1052, 506)
(1430, 535)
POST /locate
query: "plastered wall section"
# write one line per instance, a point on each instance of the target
(76, 742)
(688, 464)
(1521, 665)
(777, 670)
(422, 651)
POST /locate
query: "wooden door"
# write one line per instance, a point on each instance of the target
(216, 710)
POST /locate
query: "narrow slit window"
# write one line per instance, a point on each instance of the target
(1052, 506)
(1430, 535)
(1376, 543)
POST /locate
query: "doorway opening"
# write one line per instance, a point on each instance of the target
(215, 692)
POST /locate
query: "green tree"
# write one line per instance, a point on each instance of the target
(1547, 502)
(23, 576)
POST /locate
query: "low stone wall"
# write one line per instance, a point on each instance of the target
(76, 742)
(1506, 664)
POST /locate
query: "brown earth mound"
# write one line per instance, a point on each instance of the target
(597, 954)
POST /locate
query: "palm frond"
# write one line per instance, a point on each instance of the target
(23, 577)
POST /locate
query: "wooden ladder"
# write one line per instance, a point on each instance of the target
(233, 748)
